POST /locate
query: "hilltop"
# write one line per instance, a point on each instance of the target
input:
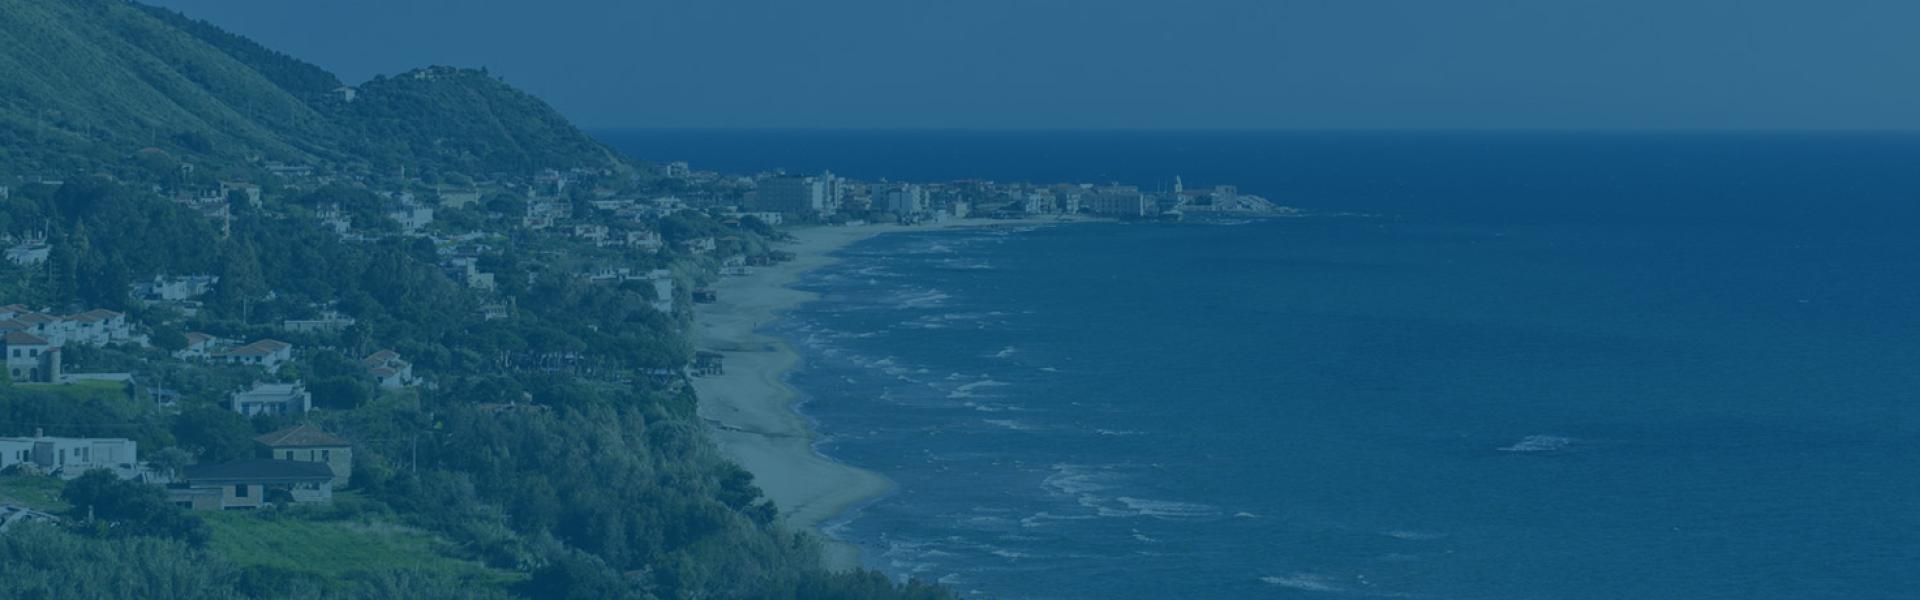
(85, 84)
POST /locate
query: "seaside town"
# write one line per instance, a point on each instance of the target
(671, 231)
(269, 334)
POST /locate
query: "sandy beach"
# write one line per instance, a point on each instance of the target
(751, 408)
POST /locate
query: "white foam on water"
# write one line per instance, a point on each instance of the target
(1006, 352)
(1168, 509)
(1412, 535)
(922, 299)
(1539, 443)
(1010, 424)
(1307, 582)
(1040, 519)
(968, 390)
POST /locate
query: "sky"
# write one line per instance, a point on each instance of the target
(1136, 64)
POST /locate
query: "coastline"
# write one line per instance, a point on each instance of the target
(750, 408)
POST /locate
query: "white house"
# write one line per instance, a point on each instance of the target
(201, 346)
(413, 219)
(31, 358)
(705, 245)
(97, 327)
(272, 399)
(386, 367)
(175, 289)
(269, 354)
(662, 280)
(29, 252)
(70, 458)
(328, 322)
(644, 240)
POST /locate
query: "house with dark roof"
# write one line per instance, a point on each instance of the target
(252, 483)
(272, 399)
(306, 443)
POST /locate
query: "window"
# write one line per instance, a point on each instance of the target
(286, 454)
(240, 491)
(326, 455)
(16, 353)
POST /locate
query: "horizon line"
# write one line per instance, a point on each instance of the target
(1270, 130)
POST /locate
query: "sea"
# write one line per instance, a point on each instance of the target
(1505, 366)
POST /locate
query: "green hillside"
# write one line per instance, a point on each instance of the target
(86, 83)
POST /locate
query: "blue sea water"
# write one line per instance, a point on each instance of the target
(1490, 367)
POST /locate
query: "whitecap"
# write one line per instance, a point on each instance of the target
(1168, 509)
(1005, 352)
(1304, 581)
(1413, 536)
(1539, 443)
(1009, 424)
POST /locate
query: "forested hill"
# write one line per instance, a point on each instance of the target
(482, 309)
(86, 83)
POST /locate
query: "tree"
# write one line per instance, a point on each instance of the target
(170, 460)
(339, 393)
(578, 576)
(169, 338)
(115, 507)
(213, 434)
(241, 280)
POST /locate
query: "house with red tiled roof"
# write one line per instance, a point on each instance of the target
(306, 443)
(97, 327)
(31, 358)
(269, 354)
(386, 367)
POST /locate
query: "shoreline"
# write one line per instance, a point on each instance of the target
(751, 411)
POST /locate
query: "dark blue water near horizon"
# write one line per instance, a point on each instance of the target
(1494, 367)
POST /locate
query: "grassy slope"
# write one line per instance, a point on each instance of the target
(334, 549)
(76, 72)
(38, 493)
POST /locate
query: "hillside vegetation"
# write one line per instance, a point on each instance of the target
(551, 447)
(84, 84)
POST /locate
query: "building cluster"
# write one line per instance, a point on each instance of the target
(296, 465)
(34, 340)
(830, 197)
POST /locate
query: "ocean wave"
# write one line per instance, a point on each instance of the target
(1006, 352)
(1539, 443)
(1413, 536)
(970, 390)
(1168, 509)
(1306, 582)
(1010, 424)
(1117, 432)
(960, 264)
(1041, 518)
(945, 321)
(1078, 480)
